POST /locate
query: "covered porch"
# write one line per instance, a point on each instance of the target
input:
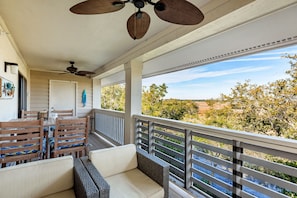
(197, 167)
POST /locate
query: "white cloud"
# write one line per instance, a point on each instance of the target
(191, 74)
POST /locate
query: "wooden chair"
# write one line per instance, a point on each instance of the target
(63, 113)
(70, 137)
(29, 114)
(21, 141)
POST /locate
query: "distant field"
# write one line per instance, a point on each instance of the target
(203, 106)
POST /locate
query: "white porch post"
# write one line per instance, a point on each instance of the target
(96, 94)
(96, 100)
(133, 74)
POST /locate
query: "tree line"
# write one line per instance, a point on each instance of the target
(269, 109)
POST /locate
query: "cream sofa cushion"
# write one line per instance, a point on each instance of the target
(133, 184)
(114, 162)
(37, 179)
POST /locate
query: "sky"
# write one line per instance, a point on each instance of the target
(210, 81)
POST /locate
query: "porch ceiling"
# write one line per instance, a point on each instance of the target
(48, 35)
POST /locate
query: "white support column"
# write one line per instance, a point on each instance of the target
(96, 100)
(96, 94)
(133, 74)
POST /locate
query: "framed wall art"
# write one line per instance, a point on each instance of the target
(7, 89)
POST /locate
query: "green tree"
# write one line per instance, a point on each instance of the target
(178, 109)
(268, 109)
(113, 97)
(152, 99)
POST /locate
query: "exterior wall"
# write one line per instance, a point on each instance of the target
(10, 53)
(39, 98)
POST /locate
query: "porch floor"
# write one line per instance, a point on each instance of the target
(95, 142)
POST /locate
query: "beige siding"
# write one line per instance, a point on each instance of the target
(39, 98)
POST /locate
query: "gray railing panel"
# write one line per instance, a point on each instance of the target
(110, 124)
(227, 153)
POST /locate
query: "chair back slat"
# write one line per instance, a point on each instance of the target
(21, 141)
(63, 113)
(71, 137)
(29, 114)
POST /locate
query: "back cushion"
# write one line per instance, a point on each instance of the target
(114, 160)
(37, 179)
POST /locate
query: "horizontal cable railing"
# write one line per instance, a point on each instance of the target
(220, 162)
(110, 124)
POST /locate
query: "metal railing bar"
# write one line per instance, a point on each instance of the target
(227, 164)
(225, 173)
(170, 127)
(262, 189)
(270, 165)
(143, 128)
(270, 151)
(209, 137)
(142, 133)
(170, 159)
(213, 148)
(176, 179)
(169, 143)
(247, 195)
(177, 174)
(268, 178)
(142, 140)
(209, 188)
(171, 152)
(170, 135)
(212, 179)
(142, 145)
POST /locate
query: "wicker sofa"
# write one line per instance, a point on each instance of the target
(125, 171)
(52, 178)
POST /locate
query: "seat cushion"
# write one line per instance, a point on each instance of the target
(38, 178)
(116, 159)
(133, 183)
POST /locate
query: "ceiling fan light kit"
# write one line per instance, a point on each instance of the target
(179, 12)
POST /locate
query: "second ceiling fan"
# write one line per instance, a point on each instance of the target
(174, 11)
(73, 70)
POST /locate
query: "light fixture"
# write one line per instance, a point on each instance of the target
(13, 69)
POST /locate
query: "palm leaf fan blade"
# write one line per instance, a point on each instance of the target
(179, 12)
(84, 73)
(96, 7)
(138, 24)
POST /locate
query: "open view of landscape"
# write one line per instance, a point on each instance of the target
(254, 93)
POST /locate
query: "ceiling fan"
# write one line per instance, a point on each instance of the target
(73, 70)
(174, 11)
